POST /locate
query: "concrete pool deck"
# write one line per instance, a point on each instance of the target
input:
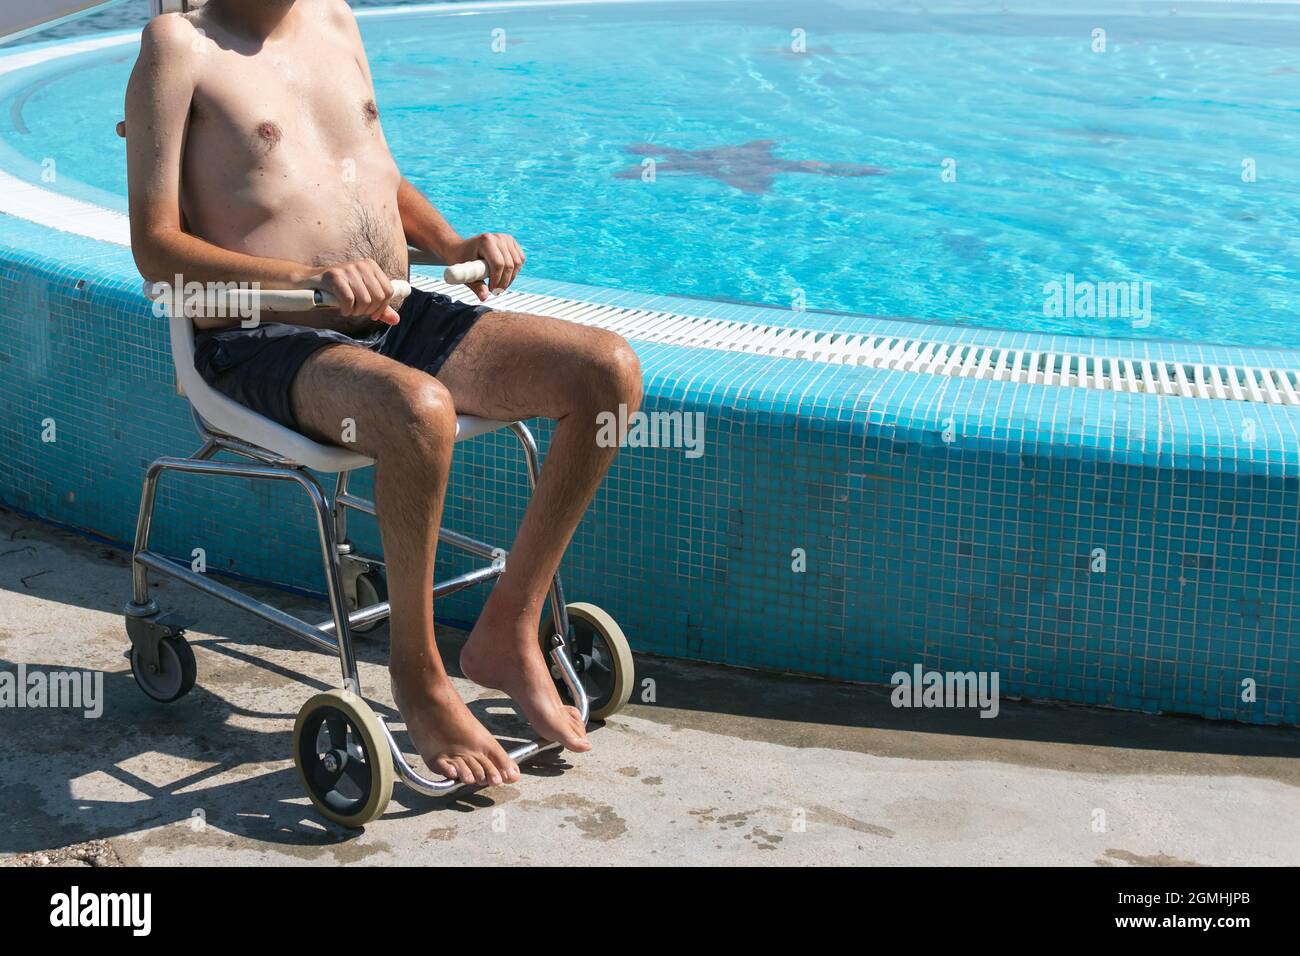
(727, 767)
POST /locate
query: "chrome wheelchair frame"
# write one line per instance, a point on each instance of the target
(151, 632)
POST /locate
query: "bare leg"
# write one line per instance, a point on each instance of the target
(510, 367)
(404, 419)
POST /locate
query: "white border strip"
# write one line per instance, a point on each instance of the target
(45, 207)
(1176, 379)
(22, 58)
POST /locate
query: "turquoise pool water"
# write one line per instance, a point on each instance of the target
(815, 177)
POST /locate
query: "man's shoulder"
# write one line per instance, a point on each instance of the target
(339, 12)
(336, 18)
(170, 36)
(171, 28)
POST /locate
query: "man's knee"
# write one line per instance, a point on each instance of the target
(615, 373)
(422, 416)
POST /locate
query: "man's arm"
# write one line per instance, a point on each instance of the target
(425, 227)
(428, 229)
(158, 99)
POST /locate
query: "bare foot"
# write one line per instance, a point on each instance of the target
(514, 665)
(449, 738)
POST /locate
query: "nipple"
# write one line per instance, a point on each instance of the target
(269, 133)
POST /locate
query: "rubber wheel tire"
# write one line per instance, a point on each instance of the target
(355, 736)
(597, 644)
(177, 670)
(372, 588)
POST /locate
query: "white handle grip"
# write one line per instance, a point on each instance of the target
(323, 300)
(463, 273)
(248, 301)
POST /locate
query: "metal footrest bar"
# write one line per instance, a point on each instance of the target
(441, 788)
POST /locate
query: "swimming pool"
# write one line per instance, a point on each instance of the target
(853, 157)
(1101, 510)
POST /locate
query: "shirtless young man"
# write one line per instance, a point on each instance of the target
(255, 154)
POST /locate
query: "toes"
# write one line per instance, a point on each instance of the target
(579, 728)
(463, 772)
(503, 768)
(447, 767)
(506, 767)
(476, 768)
(491, 770)
(576, 740)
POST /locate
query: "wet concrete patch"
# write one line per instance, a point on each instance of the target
(834, 818)
(595, 820)
(93, 853)
(1137, 859)
(763, 840)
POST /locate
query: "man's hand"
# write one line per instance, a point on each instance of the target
(361, 287)
(502, 254)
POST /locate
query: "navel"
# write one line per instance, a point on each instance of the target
(370, 110)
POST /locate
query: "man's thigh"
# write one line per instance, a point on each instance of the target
(349, 396)
(513, 366)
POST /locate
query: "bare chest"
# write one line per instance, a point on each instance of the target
(281, 115)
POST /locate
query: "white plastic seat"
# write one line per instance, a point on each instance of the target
(225, 415)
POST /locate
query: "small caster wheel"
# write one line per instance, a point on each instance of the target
(600, 654)
(371, 588)
(342, 756)
(174, 676)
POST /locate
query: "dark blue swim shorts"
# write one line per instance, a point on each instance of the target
(256, 366)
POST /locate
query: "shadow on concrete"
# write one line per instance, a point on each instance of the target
(196, 765)
(801, 711)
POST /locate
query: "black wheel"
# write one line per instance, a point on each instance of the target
(342, 758)
(175, 674)
(372, 588)
(600, 654)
